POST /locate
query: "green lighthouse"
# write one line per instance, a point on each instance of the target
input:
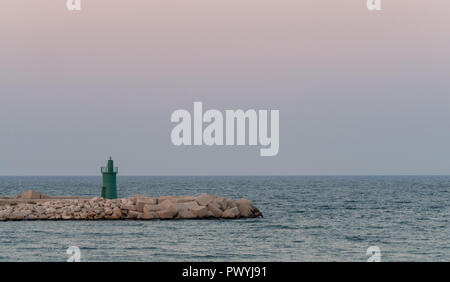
(109, 188)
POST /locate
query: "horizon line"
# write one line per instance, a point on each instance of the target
(215, 175)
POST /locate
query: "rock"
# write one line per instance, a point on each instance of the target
(140, 202)
(230, 204)
(40, 210)
(129, 207)
(31, 217)
(200, 212)
(231, 213)
(151, 208)
(204, 199)
(26, 213)
(184, 199)
(108, 211)
(162, 199)
(159, 207)
(31, 194)
(50, 210)
(221, 202)
(134, 214)
(18, 215)
(4, 215)
(165, 204)
(168, 213)
(92, 214)
(245, 207)
(185, 214)
(134, 198)
(116, 214)
(15, 217)
(150, 215)
(186, 205)
(215, 210)
(256, 212)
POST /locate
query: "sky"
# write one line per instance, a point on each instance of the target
(359, 92)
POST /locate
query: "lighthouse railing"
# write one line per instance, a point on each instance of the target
(105, 169)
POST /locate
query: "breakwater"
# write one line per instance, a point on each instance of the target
(32, 205)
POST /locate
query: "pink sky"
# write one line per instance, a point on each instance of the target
(358, 91)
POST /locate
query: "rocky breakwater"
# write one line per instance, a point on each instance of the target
(137, 207)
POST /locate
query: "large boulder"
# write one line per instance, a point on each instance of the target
(116, 214)
(31, 194)
(230, 204)
(172, 199)
(200, 212)
(186, 205)
(165, 204)
(134, 215)
(184, 199)
(231, 213)
(245, 207)
(168, 213)
(204, 199)
(221, 202)
(185, 214)
(129, 207)
(215, 210)
(153, 208)
(141, 202)
(108, 211)
(150, 215)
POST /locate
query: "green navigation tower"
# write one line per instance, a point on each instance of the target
(109, 188)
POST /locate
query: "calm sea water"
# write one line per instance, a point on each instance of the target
(306, 218)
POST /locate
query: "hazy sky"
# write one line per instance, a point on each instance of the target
(359, 92)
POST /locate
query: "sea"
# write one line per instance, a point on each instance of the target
(306, 218)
